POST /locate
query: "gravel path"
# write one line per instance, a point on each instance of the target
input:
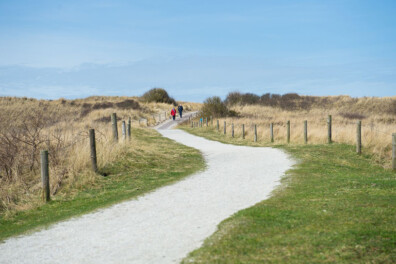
(165, 225)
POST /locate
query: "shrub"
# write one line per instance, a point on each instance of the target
(103, 105)
(128, 104)
(213, 106)
(158, 95)
(233, 98)
(249, 99)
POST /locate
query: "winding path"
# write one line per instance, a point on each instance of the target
(165, 225)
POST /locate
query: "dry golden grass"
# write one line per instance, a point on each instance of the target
(378, 124)
(64, 132)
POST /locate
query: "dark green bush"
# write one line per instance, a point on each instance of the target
(158, 95)
(213, 106)
(233, 98)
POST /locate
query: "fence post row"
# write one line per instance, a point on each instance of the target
(115, 129)
(288, 131)
(243, 131)
(272, 132)
(394, 151)
(92, 144)
(329, 129)
(45, 176)
(123, 130)
(255, 133)
(232, 129)
(359, 137)
(305, 131)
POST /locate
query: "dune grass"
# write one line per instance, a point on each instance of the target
(333, 207)
(145, 164)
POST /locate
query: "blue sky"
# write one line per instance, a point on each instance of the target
(196, 49)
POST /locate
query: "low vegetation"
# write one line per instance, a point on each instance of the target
(158, 95)
(333, 207)
(141, 165)
(377, 116)
(61, 126)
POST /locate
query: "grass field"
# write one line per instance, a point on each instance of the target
(142, 165)
(333, 207)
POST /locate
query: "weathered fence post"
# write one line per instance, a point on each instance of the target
(288, 131)
(123, 130)
(243, 131)
(255, 133)
(206, 119)
(218, 126)
(92, 144)
(211, 121)
(232, 129)
(129, 128)
(329, 129)
(159, 118)
(305, 131)
(45, 175)
(165, 115)
(394, 151)
(192, 124)
(272, 132)
(359, 137)
(225, 127)
(115, 129)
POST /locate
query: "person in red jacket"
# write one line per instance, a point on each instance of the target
(173, 113)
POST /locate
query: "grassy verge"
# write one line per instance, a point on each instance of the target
(333, 207)
(144, 166)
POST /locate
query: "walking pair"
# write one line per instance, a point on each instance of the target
(173, 112)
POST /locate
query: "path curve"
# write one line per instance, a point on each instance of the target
(165, 225)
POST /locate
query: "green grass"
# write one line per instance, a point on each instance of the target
(333, 207)
(157, 161)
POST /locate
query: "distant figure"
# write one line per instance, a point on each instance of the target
(173, 113)
(180, 109)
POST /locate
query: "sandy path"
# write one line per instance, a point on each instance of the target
(165, 225)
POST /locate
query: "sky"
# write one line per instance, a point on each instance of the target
(197, 49)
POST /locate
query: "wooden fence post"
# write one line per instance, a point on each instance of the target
(45, 176)
(243, 131)
(359, 137)
(165, 115)
(272, 132)
(255, 133)
(115, 128)
(192, 125)
(159, 118)
(123, 130)
(206, 119)
(288, 131)
(329, 129)
(232, 130)
(211, 121)
(92, 144)
(225, 127)
(129, 128)
(218, 126)
(305, 131)
(394, 151)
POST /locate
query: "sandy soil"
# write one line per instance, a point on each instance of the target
(165, 225)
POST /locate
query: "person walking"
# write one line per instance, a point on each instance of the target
(173, 113)
(180, 108)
